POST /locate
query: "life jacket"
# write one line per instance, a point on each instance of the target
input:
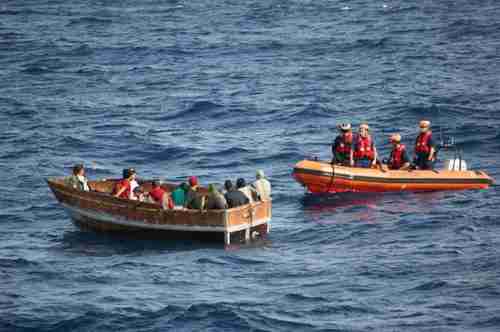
(422, 143)
(123, 183)
(344, 147)
(364, 148)
(396, 160)
(158, 194)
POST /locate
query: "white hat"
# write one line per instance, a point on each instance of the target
(344, 126)
(424, 124)
(260, 174)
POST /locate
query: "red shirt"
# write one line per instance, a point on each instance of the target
(158, 195)
(120, 185)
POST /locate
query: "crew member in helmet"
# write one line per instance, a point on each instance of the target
(425, 148)
(363, 153)
(342, 146)
(398, 158)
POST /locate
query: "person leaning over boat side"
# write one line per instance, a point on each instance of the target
(123, 188)
(215, 200)
(363, 153)
(194, 200)
(398, 159)
(262, 186)
(179, 195)
(249, 192)
(160, 196)
(425, 148)
(78, 180)
(233, 196)
(342, 146)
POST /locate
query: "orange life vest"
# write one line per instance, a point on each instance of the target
(422, 143)
(396, 160)
(364, 148)
(345, 144)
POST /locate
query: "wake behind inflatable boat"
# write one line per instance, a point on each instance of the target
(322, 177)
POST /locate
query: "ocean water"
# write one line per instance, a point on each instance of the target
(219, 89)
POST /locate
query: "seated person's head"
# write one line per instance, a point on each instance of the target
(156, 184)
(78, 169)
(193, 181)
(129, 173)
(212, 189)
(240, 183)
(228, 185)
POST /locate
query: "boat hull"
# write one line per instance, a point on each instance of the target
(97, 210)
(321, 177)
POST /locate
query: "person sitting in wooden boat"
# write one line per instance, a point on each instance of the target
(363, 153)
(179, 195)
(160, 196)
(194, 200)
(425, 148)
(78, 180)
(140, 195)
(342, 146)
(215, 200)
(133, 185)
(262, 186)
(123, 187)
(398, 159)
(233, 196)
(249, 192)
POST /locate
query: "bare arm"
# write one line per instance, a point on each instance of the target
(375, 156)
(431, 153)
(122, 189)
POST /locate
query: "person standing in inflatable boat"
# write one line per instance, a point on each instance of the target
(398, 158)
(425, 148)
(364, 153)
(342, 147)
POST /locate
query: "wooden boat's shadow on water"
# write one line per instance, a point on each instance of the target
(86, 242)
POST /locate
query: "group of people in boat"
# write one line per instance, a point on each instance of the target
(185, 196)
(358, 149)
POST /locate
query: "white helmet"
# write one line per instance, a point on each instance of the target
(344, 126)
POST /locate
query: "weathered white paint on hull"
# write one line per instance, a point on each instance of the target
(84, 216)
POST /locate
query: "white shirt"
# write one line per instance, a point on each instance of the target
(133, 185)
(248, 193)
(83, 180)
(263, 188)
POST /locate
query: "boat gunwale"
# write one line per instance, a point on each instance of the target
(484, 179)
(127, 203)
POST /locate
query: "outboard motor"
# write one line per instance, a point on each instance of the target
(456, 164)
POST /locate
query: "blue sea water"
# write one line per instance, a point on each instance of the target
(219, 89)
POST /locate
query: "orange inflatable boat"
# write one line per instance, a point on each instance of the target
(322, 177)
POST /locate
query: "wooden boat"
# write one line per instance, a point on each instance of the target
(98, 210)
(323, 177)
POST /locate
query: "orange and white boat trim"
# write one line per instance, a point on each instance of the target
(323, 177)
